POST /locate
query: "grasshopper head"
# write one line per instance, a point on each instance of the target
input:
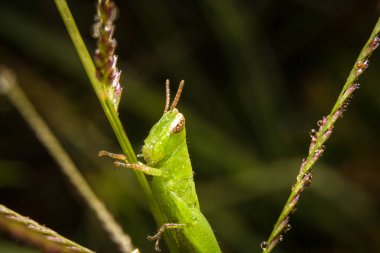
(167, 134)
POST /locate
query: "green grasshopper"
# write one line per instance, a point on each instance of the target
(167, 160)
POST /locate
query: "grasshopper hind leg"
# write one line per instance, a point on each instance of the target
(157, 237)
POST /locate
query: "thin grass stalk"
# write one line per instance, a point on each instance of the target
(109, 109)
(27, 230)
(10, 87)
(319, 137)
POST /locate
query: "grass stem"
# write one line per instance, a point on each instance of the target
(319, 137)
(109, 109)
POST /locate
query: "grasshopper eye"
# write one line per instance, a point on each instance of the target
(178, 124)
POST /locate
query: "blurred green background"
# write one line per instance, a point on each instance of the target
(259, 74)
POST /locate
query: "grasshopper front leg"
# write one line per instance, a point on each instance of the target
(134, 166)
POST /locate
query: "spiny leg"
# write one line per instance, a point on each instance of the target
(157, 237)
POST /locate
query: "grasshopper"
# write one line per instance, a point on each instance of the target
(167, 160)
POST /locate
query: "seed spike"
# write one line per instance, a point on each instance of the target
(178, 95)
(167, 103)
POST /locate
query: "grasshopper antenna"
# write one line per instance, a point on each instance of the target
(167, 103)
(178, 95)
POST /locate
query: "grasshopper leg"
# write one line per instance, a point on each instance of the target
(140, 167)
(123, 162)
(157, 237)
(112, 155)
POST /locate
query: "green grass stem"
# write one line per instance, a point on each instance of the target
(110, 112)
(319, 137)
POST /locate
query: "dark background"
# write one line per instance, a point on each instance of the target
(259, 75)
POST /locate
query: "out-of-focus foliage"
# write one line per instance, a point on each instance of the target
(259, 75)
